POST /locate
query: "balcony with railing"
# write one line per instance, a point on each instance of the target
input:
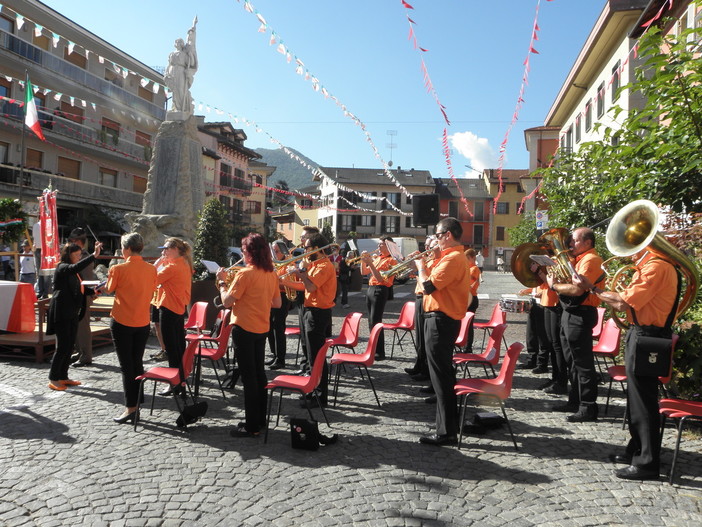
(78, 75)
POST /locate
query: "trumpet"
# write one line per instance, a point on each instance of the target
(405, 265)
(292, 293)
(356, 259)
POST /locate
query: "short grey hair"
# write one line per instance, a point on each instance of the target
(133, 241)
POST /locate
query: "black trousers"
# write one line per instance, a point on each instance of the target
(250, 350)
(420, 365)
(130, 343)
(173, 334)
(276, 334)
(642, 412)
(317, 327)
(376, 298)
(66, 331)
(472, 308)
(537, 342)
(343, 286)
(440, 332)
(577, 346)
(552, 323)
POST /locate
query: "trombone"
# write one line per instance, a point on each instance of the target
(295, 259)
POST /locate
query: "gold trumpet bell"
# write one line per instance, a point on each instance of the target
(633, 228)
(521, 263)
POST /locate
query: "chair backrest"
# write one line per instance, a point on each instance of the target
(318, 365)
(491, 354)
(462, 338)
(666, 380)
(609, 338)
(498, 316)
(504, 378)
(223, 338)
(368, 356)
(597, 330)
(406, 318)
(189, 357)
(348, 336)
(197, 317)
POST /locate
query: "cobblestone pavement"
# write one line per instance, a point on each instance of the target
(65, 462)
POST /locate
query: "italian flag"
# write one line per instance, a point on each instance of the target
(31, 118)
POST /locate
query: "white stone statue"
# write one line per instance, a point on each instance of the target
(182, 65)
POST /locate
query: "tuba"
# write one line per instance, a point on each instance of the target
(633, 229)
(552, 243)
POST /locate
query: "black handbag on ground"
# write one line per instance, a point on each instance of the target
(304, 434)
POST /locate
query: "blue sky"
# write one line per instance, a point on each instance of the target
(360, 53)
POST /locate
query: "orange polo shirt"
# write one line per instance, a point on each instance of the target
(589, 264)
(174, 282)
(134, 282)
(548, 298)
(652, 291)
(253, 290)
(322, 274)
(474, 275)
(450, 277)
(382, 263)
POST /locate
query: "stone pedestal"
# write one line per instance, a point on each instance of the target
(174, 192)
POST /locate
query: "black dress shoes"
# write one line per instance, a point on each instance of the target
(122, 419)
(637, 473)
(380, 356)
(271, 362)
(420, 377)
(527, 366)
(411, 371)
(621, 459)
(556, 389)
(565, 407)
(242, 432)
(301, 371)
(427, 389)
(584, 414)
(438, 440)
(277, 366)
(540, 369)
(173, 390)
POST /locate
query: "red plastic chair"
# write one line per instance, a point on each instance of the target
(348, 336)
(170, 376)
(197, 318)
(293, 331)
(364, 360)
(213, 354)
(498, 388)
(608, 345)
(404, 324)
(498, 317)
(681, 410)
(618, 374)
(597, 330)
(489, 357)
(462, 338)
(302, 384)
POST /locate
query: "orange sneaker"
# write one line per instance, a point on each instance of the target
(69, 382)
(57, 387)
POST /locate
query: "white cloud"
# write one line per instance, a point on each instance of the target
(476, 149)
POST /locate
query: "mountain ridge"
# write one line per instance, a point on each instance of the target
(287, 169)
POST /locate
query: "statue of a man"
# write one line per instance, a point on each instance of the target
(182, 65)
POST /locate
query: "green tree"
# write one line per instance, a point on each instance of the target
(524, 231)
(212, 237)
(328, 233)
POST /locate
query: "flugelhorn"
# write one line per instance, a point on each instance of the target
(232, 270)
(633, 229)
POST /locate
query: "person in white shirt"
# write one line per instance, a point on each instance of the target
(28, 271)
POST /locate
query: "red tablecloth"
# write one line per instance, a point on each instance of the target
(17, 307)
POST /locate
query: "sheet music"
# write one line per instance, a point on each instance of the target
(210, 265)
(542, 259)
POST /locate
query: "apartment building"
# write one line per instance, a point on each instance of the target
(99, 109)
(474, 214)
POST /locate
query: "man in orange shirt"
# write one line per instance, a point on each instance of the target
(318, 281)
(579, 317)
(650, 301)
(378, 288)
(446, 295)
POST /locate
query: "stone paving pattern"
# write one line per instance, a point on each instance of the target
(64, 461)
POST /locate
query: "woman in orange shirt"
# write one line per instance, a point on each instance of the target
(133, 283)
(172, 296)
(252, 294)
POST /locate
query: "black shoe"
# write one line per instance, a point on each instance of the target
(271, 362)
(427, 389)
(567, 407)
(620, 459)
(242, 432)
(173, 390)
(129, 418)
(380, 357)
(411, 371)
(545, 385)
(438, 440)
(540, 369)
(420, 377)
(527, 366)
(301, 371)
(584, 415)
(556, 389)
(430, 400)
(161, 355)
(637, 473)
(277, 366)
